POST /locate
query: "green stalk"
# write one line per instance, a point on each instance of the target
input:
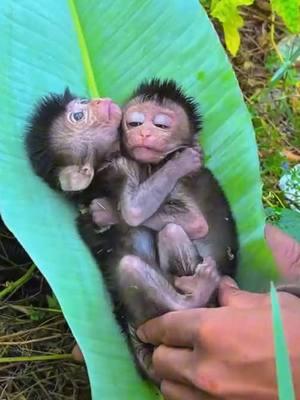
(51, 357)
(283, 368)
(18, 283)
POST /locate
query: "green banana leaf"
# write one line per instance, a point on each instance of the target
(108, 47)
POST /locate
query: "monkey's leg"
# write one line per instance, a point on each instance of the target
(179, 257)
(177, 254)
(146, 293)
(103, 212)
(192, 221)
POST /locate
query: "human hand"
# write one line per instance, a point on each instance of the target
(224, 352)
(286, 251)
(227, 352)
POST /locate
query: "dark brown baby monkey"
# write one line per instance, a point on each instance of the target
(148, 260)
(69, 138)
(175, 234)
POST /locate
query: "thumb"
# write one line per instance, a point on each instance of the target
(285, 249)
(230, 295)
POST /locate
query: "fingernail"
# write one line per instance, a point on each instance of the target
(140, 334)
(228, 281)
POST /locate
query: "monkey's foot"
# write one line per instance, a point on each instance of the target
(103, 213)
(203, 283)
(143, 356)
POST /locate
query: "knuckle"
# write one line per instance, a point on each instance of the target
(206, 381)
(167, 390)
(204, 332)
(158, 355)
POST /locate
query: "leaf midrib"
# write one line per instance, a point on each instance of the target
(86, 59)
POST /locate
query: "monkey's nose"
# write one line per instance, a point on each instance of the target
(145, 133)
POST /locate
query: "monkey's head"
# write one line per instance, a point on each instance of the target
(69, 137)
(158, 120)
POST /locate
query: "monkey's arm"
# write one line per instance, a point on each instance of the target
(181, 212)
(139, 201)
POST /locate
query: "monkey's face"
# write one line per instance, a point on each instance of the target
(85, 135)
(87, 124)
(151, 130)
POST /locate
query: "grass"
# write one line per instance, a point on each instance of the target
(274, 106)
(35, 341)
(36, 344)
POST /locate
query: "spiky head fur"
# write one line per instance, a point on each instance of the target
(38, 134)
(160, 90)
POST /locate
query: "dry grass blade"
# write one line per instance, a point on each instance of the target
(35, 341)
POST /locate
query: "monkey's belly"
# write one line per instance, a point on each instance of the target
(143, 244)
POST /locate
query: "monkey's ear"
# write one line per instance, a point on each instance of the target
(74, 178)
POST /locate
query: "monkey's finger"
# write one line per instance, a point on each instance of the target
(177, 328)
(176, 391)
(230, 295)
(173, 364)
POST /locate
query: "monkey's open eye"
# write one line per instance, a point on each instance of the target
(162, 121)
(135, 119)
(76, 116)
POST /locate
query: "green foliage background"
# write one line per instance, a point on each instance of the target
(227, 12)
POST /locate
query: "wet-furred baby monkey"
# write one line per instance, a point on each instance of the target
(150, 264)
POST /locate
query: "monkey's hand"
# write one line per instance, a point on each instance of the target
(103, 213)
(188, 161)
(198, 148)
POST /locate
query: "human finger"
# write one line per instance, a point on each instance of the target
(77, 354)
(285, 249)
(230, 295)
(177, 328)
(177, 391)
(174, 364)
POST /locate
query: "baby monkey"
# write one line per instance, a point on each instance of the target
(173, 234)
(69, 138)
(176, 235)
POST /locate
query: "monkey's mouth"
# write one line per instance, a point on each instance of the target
(146, 153)
(147, 148)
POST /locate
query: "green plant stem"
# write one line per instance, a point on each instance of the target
(18, 283)
(28, 309)
(51, 357)
(272, 34)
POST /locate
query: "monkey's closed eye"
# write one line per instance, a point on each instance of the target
(135, 118)
(134, 124)
(161, 126)
(84, 101)
(162, 121)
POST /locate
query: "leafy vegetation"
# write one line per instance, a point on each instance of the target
(227, 12)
